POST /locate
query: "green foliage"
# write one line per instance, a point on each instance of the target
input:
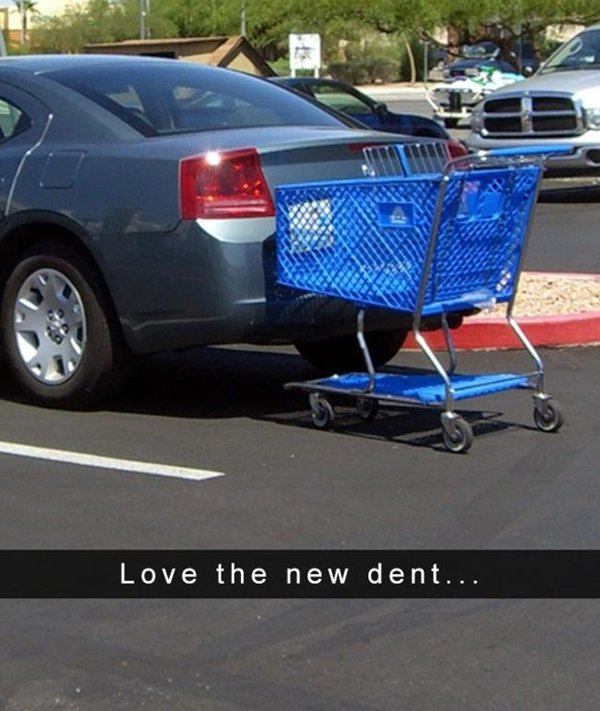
(96, 21)
(201, 19)
(365, 71)
(491, 18)
(270, 21)
(370, 59)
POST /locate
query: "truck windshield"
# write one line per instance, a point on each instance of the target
(582, 52)
(158, 98)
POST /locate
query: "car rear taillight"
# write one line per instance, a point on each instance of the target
(457, 149)
(225, 184)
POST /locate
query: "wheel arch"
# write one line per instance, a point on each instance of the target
(19, 233)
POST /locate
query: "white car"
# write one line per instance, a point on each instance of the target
(455, 98)
(560, 104)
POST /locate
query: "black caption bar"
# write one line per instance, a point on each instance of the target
(300, 574)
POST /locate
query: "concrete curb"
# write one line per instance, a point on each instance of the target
(393, 92)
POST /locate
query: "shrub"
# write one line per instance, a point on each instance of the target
(383, 70)
(344, 71)
(363, 71)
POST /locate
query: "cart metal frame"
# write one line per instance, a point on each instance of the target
(457, 433)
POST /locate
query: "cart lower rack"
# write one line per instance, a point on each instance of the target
(431, 244)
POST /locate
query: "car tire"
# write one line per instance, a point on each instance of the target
(71, 357)
(451, 123)
(343, 354)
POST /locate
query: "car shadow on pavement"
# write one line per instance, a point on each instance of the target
(214, 383)
(223, 383)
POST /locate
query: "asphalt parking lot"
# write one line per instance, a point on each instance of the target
(386, 484)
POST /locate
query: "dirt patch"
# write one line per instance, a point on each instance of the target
(549, 294)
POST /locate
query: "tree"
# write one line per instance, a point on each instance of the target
(504, 22)
(270, 21)
(26, 8)
(95, 21)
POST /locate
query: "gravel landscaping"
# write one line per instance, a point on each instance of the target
(549, 294)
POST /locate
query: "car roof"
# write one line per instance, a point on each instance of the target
(41, 64)
(474, 61)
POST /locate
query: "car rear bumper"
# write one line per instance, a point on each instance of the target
(189, 288)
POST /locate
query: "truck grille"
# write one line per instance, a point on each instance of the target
(530, 116)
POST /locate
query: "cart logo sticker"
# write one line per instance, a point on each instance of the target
(311, 226)
(396, 214)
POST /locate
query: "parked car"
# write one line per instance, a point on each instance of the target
(476, 56)
(454, 99)
(137, 209)
(519, 57)
(375, 114)
(560, 104)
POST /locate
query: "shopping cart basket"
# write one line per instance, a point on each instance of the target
(427, 243)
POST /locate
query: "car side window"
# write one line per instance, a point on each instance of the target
(336, 98)
(12, 120)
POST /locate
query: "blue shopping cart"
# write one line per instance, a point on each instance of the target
(424, 235)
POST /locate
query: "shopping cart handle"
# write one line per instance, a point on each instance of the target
(551, 149)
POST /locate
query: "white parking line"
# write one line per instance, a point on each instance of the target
(94, 460)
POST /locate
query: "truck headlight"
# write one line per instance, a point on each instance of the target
(477, 125)
(593, 118)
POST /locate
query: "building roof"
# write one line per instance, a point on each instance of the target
(218, 51)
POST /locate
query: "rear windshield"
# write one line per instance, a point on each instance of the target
(158, 99)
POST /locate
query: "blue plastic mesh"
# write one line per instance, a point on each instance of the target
(366, 240)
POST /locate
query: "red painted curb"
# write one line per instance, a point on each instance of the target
(481, 333)
(486, 333)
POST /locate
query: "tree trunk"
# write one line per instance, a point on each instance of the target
(455, 38)
(411, 61)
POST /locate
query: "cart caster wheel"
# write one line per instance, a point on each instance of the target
(548, 416)
(367, 408)
(457, 434)
(321, 412)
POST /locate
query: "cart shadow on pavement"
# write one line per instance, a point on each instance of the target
(416, 427)
(223, 383)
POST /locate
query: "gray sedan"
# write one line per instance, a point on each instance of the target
(137, 216)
